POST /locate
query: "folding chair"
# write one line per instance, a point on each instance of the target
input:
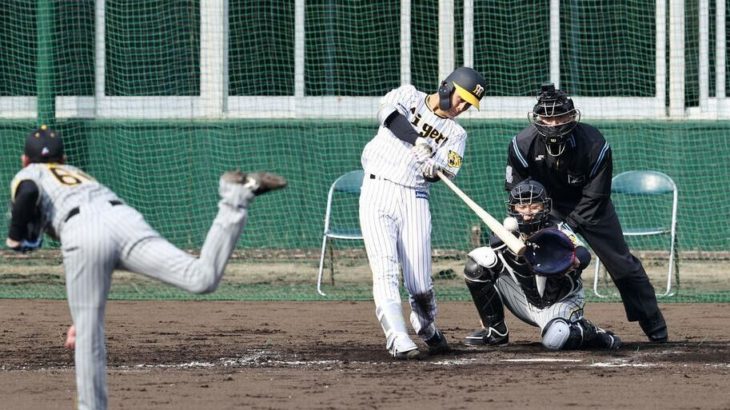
(348, 184)
(642, 200)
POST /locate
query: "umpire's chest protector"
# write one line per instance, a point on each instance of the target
(564, 176)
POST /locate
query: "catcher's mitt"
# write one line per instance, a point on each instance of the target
(550, 252)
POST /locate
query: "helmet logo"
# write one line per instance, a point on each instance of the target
(478, 90)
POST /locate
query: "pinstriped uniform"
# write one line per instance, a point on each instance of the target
(569, 308)
(395, 216)
(104, 235)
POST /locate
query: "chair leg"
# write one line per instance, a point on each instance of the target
(673, 268)
(321, 266)
(596, 275)
(332, 265)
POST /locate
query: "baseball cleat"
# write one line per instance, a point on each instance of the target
(488, 337)
(403, 348)
(437, 344)
(413, 354)
(258, 182)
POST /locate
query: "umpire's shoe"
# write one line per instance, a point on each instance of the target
(491, 336)
(437, 344)
(258, 182)
(655, 328)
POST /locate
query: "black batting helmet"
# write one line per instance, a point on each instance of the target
(44, 145)
(467, 83)
(529, 192)
(554, 103)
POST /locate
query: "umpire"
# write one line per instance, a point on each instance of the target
(573, 161)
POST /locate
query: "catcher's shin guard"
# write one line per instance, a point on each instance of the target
(488, 302)
(599, 338)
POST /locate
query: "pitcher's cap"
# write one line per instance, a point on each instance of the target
(44, 145)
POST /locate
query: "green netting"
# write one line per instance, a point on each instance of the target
(152, 129)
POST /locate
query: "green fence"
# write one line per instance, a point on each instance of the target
(169, 172)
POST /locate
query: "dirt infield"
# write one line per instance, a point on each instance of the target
(330, 355)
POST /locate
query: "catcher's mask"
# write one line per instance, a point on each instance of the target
(529, 192)
(467, 83)
(554, 116)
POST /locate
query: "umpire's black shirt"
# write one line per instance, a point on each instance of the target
(578, 180)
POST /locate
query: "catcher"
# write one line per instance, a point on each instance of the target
(543, 288)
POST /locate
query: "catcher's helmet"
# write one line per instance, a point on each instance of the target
(467, 83)
(553, 103)
(529, 192)
(44, 145)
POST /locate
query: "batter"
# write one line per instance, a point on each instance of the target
(417, 136)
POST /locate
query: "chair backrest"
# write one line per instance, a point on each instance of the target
(642, 183)
(645, 201)
(349, 182)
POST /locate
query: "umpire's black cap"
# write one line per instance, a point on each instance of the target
(44, 145)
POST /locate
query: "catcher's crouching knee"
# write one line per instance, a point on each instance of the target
(556, 334)
(482, 264)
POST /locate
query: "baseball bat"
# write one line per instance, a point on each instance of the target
(515, 244)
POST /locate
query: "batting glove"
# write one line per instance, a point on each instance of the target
(430, 167)
(423, 149)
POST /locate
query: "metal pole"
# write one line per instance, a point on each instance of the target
(46, 100)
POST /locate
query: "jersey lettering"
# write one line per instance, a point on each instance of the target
(416, 118)
(428, 131)
(67, 177)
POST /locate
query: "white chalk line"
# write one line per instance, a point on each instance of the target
(266, 358)
(270, 358)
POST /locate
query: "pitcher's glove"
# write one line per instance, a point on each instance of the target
(550, 252)
(25, 245)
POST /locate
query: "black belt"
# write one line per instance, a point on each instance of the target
(76, 210)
